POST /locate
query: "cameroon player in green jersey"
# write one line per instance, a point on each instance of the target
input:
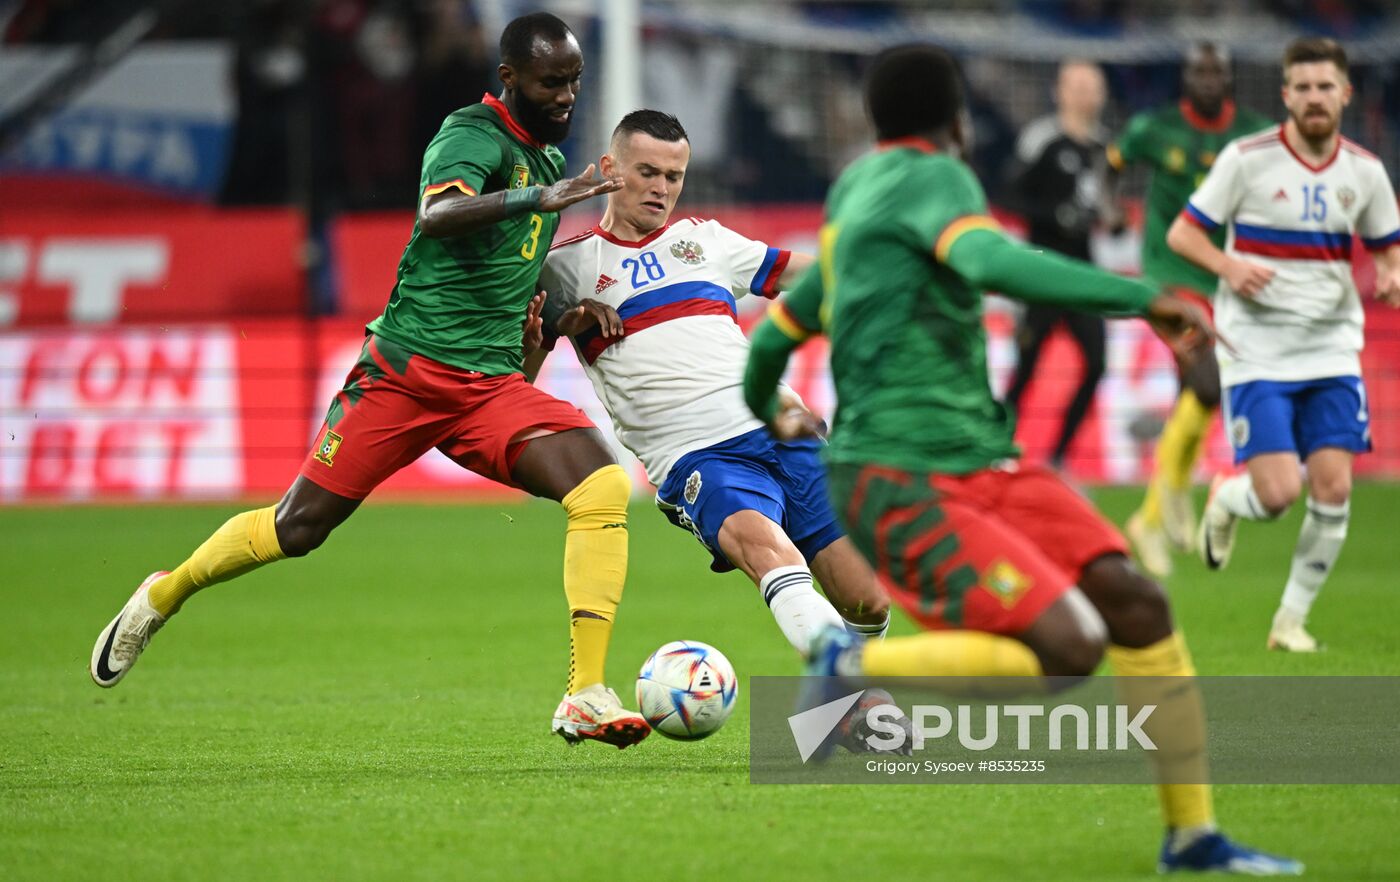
(1179, 142)
(1011, 571)
(441, 368)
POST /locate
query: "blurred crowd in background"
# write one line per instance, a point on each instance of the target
(337, 98)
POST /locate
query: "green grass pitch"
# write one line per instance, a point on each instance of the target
(379, 710)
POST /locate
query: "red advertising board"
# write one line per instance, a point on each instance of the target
(223, 410)
(149, 265)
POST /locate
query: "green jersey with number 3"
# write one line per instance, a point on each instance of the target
(1180, 147)
(462, 300)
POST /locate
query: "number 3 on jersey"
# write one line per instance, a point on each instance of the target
(648, 263)
(532, 244)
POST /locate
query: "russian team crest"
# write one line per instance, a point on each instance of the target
(330, 443)
(1346, 196)
(692, 487)
(520, 177)
(1239, 432)
(688, 252)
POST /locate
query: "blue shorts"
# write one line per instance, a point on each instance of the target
(1300, 417)
(784, 482)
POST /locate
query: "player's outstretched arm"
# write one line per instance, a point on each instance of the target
(455, 213)
(798, 264)
(789, 323)
(1192, 243)
(987, 259)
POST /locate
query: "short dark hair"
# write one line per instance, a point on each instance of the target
(913, 88)
(1307, 49)
(661, 126)
(518, 39)
(1200, 48)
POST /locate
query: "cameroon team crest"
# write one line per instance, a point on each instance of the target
(1176, 159)
(520, 177)
(688, 252)
(1006, 582)
(329, 445)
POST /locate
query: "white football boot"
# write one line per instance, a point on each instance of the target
(595, 713)
(1150, 543)
(120, 643)
(1216, 534)
(1178, 520)
(1289, 634)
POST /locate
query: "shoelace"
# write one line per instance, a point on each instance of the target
(131, 640)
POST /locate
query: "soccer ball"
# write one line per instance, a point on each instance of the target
(686, 690)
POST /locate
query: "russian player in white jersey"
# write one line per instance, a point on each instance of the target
(1290, 318)
(650, 305)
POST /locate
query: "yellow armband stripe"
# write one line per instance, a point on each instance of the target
(786, 322)
(434, 189)
(955, 230)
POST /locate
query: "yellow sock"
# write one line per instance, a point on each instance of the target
(245, 542)
(1182, 439)
(1177, 726)
(595, 567)
(1151, 509)
(949, 654)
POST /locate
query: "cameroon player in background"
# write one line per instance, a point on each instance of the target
(1012, 572)
(441, 367)
(1179, 142)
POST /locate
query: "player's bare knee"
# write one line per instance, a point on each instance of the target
(1208, 392)
(1278, 495)
(1069, 639)
(300, 531)
(1330, 490)
(1134, 607)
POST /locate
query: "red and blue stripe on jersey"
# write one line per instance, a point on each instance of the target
(1383, 242)
(765, 281)
(1287, 244)
(1292, 244)
(651, 308)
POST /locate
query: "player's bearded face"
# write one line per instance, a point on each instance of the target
(1315, 93)
(546, 88)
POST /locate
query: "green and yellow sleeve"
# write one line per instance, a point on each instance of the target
(981, 254)
(789, 323)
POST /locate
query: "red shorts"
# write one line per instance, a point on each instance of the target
(396, 406)
(988, 551)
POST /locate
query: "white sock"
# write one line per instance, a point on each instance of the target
(1319, 543)
(799, 610)
(1236, 495)
(868, 632)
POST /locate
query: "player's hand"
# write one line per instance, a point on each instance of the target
(1244, 278)
(1182, 324)
(793, 420)
(1388, 288)
(564, 193)
(534, 325)
(588, 313)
